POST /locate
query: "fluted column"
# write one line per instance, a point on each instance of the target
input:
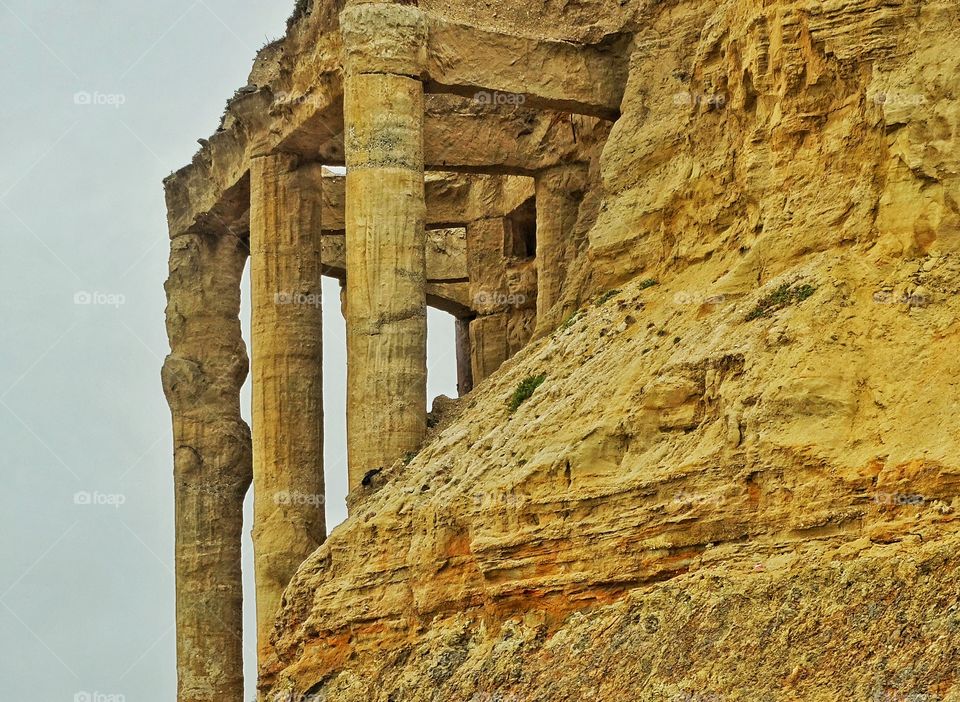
(384, 52)
(560, 192)
(287, 341)
(202, 378)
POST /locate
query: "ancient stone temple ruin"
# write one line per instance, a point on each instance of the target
(468, 155)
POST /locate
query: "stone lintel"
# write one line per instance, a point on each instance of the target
(509, 70)
(213, 193)
(453, 200)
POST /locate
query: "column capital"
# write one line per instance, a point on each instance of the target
(381, 37)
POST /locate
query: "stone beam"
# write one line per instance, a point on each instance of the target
(460, 135)
(202, 378)
(385, 235)
(287, 341)
(453, 298)
(213, 191)
(563, 76)
(446, 255)
(452, 199)
(471, 137)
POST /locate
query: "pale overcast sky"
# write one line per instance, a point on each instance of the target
(102, 100)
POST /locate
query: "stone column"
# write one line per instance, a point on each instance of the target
(385, 48)
(287, 341)
(502, 292)
(464, 357)
(487, 269)
(560, 192)
(202, 378)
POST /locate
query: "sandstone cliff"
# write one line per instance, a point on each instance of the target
(738, 478)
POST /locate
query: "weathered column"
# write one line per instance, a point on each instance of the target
(287, 343)
(464, 357)
(502, 291)
(202, 378)
(384, 46)
(487, 269)
(560, 192)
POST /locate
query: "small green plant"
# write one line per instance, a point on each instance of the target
(571, 320)
(649, 283)
(525, 391)
(606, 296)
(786, 294)
(300, 10)
(408, 458)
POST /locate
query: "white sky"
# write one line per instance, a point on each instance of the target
(102, 100)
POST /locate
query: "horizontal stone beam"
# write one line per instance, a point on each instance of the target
(453, 298)
(556, 75)
(467, 135)
(446, 255)
(453, 199)
(471, 135)
(212, 194)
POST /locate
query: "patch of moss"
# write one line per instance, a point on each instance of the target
(524, 391)
(785, 295)
(606, 296)
(571, 320)
(648, 283)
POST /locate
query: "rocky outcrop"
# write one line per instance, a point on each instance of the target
(631, 522)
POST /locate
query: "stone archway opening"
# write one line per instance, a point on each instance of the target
(442, 375)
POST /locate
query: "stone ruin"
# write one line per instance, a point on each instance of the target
(468, 157)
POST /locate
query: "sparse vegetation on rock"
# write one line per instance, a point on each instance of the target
(524, 391)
